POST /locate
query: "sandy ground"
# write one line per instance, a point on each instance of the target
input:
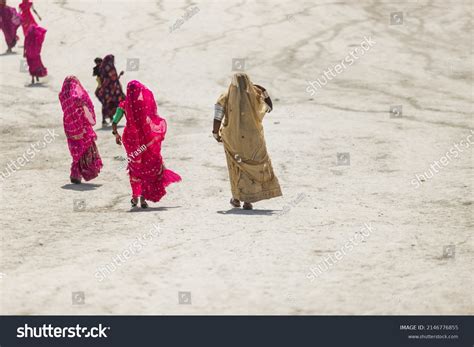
(418, 257)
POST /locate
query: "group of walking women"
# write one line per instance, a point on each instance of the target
(238, 117)
(10, 20)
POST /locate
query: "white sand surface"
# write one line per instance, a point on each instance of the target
(235, 262)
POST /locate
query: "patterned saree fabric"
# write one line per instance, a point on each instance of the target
(142, 137)
(250, 168)
(110, 92)
(79, 119)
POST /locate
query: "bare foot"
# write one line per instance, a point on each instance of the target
(247, 206)
(235, 202)
(75, 180)
(143, 202)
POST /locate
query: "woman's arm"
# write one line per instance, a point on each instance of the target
(215, 130)
(117, 117)
(218, 116)
(266, 97)
(33, 8)
(118, 138)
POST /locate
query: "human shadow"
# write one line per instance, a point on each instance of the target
(152, 209)
(238, 211)
(36, 85)
(81, 187)
(7, 53)
(108, 128)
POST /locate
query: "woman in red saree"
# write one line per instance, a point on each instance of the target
(142, 137)
(33, 45)
(79, 118)
(9, 23)
(26, 16)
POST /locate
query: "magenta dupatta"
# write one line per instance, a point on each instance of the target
(145, 129)
(9, 23)
(79, 118)
(33, 43)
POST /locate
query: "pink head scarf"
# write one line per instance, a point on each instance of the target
(142, 138)
(144, 125)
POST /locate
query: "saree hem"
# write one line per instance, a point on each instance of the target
(264, 195)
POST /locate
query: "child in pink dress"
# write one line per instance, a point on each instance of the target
(26, 16)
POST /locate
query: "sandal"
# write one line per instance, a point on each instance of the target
(75, 180)
(143, 203)
(134, 202)
(235, 202)
(247, 206)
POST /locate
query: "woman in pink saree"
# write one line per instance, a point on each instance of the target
(26, 16)
(79, 118)
(142, 137)
(33, 44)
(9, 23)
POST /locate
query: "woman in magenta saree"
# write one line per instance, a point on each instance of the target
(33, 45)
(9, 23)
(79, 118)
(142, 138)
(26, 16)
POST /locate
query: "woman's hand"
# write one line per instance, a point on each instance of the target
(265, 97)
(215, 130)
(118, 138)
(217, 137)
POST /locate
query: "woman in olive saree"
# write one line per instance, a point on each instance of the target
(238, 124)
